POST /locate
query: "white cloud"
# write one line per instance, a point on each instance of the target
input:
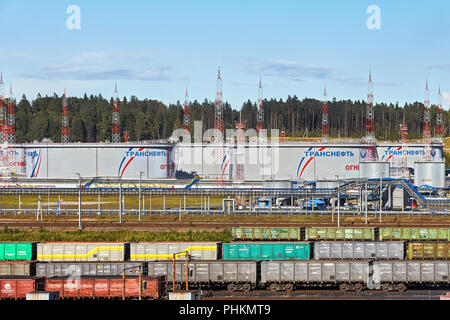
(289, 69)
(446, 98)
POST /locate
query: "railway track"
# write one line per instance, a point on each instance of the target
(321, 294)
(203, 225)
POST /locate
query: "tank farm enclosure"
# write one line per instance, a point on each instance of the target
(270, 244)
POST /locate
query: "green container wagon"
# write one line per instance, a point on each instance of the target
(267, 251)
(423, 234)
(18, 251)
(333, 233)
(428, 250)
(267, 233)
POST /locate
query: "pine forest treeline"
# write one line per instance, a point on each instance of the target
(90, 118)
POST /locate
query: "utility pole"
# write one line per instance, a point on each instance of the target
(79, 199)
(120, 200)
(140, 196)
(339, 203)
(381, 196)
(366, 203)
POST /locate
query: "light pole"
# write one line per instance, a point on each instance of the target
(339, 202)
(120, 200)
(381, 197)
(79, 199)
(140, 196)
(366, 203)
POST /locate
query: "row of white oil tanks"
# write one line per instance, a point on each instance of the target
(426, 173)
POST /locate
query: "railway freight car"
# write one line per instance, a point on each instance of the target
(150, 251)
(268, 233)
(398, 275)
(428, 250)
(17, 287)
(107, 287)
(267, 251)
(66, 269)
(83, 251)
(18, 268)
(17, 251)
(421, 234)
(234, 275)
(359, 250)
(349, 234)
(287, 275)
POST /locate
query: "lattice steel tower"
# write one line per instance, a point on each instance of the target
(3, 127)
(439, 120)
(218, 121)
(11, 118)
(187, 112)
(404, 161)
(325, 128)
(260, 120)
(427, 123)
(240, 150)
(371, 149)
(64, 119)
(115, 118)
(370, 114)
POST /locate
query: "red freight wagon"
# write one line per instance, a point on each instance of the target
(106, 287)
(18, 287)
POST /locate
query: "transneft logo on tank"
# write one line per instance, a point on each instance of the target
(130, 155)
(160, 153)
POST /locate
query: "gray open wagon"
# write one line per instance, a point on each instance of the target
(234, 275)
(289, 274)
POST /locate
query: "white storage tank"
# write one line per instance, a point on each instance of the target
(374, 169)
(398, 198)
(277, 184)
(431, 173)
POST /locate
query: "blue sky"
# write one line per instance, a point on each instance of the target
(155, 49)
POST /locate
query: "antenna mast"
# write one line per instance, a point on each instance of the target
(3, 127)
(187, 112)
(116, 118)
(325, 128)
(439, 121)
(427, 124)
(11, 118)
(218, 121)
(260, 121)
(65, 120)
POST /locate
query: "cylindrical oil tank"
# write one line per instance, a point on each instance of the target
(431, 173)
(373, 169)
(277, 184)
